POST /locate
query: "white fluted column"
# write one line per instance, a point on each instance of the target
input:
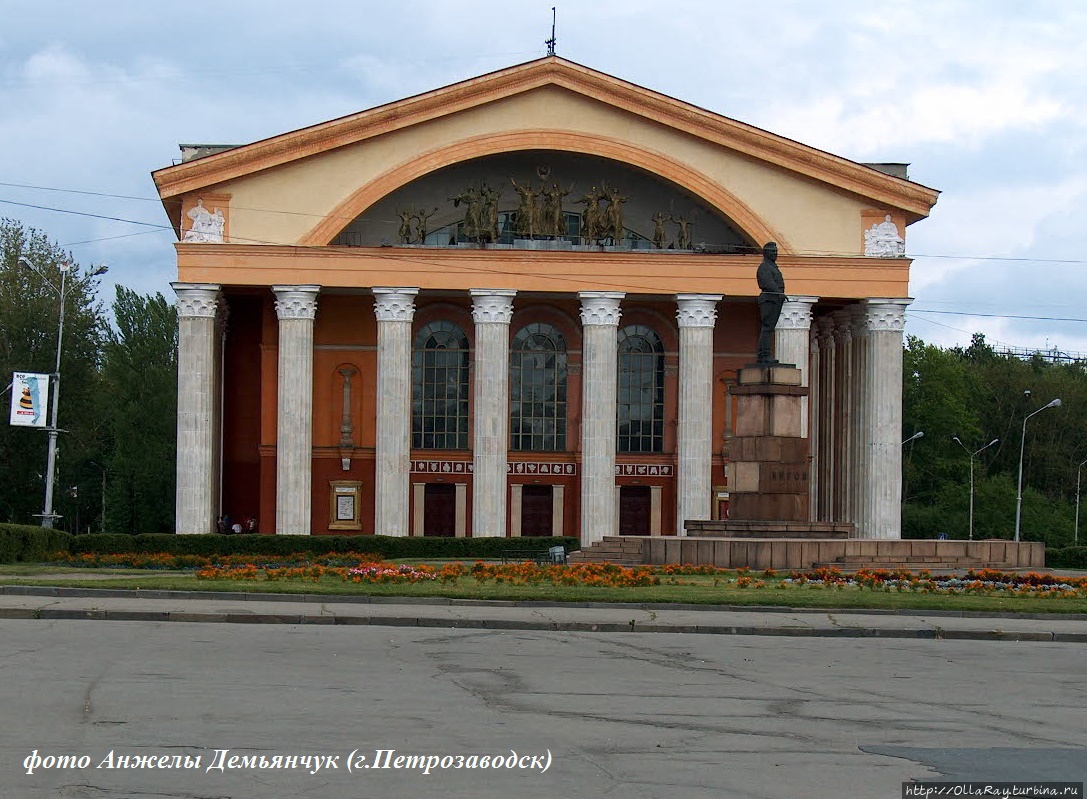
(600, 320)
(792, 343)
(696, 314)
(886, 319)
(814, 424)
(828, 405)
(197, 407)
(394, 308)
(492, 310)
(296, 307)
(858, 454)
(843, 433)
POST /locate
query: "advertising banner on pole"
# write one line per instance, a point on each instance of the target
(29, 397)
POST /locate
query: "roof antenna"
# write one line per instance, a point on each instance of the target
(551, 42)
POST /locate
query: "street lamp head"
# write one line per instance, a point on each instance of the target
(101, 270)
(914, 437)
(64, 266)
(25, 264)
(1055, 403)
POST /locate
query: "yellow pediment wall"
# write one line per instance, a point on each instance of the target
(307, 200)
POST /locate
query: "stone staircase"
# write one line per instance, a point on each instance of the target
(622, 551)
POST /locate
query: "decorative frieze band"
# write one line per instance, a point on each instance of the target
(196, 299)
(796, 313)
(887, 315)
(697, 310)
(466, 467)
(642, 470)
(494, 306)
(394, 304)
(296, 302)
(600, 307)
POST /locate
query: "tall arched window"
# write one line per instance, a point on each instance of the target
(538, 389)
(439, 370)
(640, 412)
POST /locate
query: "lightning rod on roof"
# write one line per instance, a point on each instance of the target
(551, 42)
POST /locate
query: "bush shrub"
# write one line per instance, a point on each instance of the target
(22, 543)
(386, 546)
(1066, 557)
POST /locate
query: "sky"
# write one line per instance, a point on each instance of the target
(986, 100)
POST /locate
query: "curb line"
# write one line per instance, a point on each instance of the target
(54, 614)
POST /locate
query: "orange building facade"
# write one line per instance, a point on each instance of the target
(513, 306)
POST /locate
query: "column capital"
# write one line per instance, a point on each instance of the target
(196, 299)
(860, 315)
(600, 307)
(394, 304)
(886, 315)
(697, 310)
(796, 313)
(842, 323)
(825, 327)
(296, 302)
(493, 306)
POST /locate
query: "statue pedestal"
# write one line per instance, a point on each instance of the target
(768, 474)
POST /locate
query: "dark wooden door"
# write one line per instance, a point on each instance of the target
(440, 509)
(537, 510)
(635, 507)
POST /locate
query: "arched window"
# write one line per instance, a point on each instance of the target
(538, 389)
(640, 411)
(439, 371)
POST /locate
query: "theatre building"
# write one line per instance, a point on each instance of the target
(516, 305)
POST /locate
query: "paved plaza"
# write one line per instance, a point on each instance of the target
(631, 714)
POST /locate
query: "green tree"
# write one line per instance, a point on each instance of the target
(140, 402)
(29, 308)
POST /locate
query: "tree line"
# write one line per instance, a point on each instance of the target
(118, 407)
(118, 394)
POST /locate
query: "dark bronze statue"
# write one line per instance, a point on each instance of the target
(771, 298)
(592, 221)
(660, 236)
(527, 224)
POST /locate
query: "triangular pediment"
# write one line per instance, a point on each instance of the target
(574, 81)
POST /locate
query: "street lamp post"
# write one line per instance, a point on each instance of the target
(1022, 445)
(48, 517)
(1079, 474)
(972, 456)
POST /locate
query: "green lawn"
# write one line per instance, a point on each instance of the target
(696, 589)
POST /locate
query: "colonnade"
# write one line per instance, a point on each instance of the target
(851, 360)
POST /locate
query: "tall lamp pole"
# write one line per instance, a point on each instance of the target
(47, 514)
(972, 456)
(1079, 474)
(1022, 445)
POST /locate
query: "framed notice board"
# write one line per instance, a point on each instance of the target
(344, 505)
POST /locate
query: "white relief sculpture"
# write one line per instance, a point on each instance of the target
(207, 227)
(882, 240)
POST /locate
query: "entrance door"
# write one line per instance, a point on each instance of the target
(537, 510)
(440, 509)
(635, 509)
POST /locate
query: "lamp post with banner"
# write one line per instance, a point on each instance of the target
(48, 517)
